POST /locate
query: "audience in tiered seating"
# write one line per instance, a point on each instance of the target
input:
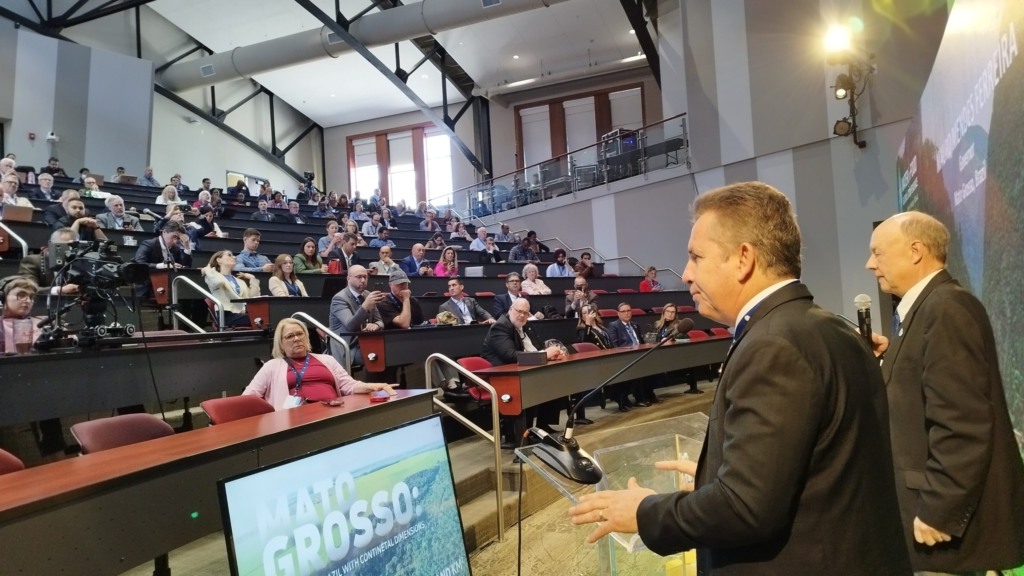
(522, 252)
(249, 260)
(53, 168)
(415, 264)
(585, 267)
(436, 242)
(448, 264)
(169, 195)
(354, 310)
(579, 297)
(532, 283)
(514, 292)
(284, 281)
(460, 233)
(505, 235)
(491, 254)
(559, 269)
(382, 239)
(115, 218)
(147, 178)
(261, 214)
(226, 282)
(650, 282)
(352, 229)
(277, 201)
(46, 190)
(180, 188)
(385, 265)
(479, 244)
(308, 261)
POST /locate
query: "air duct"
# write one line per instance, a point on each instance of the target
(377, 29)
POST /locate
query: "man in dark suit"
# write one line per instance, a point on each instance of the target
(624, 333)
(168, 250)
(959, 475)
(465, 309)
(509, 335)
(795, 474)
(54, 213)
(503, 302)
(580, 296)
(416, 263)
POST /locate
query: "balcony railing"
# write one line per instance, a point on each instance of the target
(621, 154)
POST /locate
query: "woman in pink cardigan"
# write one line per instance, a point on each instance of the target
(448, 264)
(296, 376)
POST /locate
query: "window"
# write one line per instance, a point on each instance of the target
(402, 170)
(364, 176)
(438, 151)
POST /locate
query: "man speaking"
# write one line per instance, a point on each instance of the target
(794, 476)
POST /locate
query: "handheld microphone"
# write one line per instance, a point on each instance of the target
(863, 304)
(149, 212)
(562, 452)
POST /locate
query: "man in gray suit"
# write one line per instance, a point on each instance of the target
(795, 476)
(354, 309)
(115, 218)
(959, 475)
(465, 309)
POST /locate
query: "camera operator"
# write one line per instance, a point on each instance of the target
(85, 227)
(33, 265)
(171, 249)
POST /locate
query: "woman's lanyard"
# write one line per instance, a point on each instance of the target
(238, 289)
(299, 375)
(293, 289)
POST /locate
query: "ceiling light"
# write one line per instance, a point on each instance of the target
(844, 86)
(837, 39)
(521, 82)
(634, 58)
(334, 95)
(631, 31)
(842, 127)
(424, 76)
(515, 56)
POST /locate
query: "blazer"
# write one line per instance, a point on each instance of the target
(53, 214)
(475, 310)
(619, 336)
(271, 382)
(278, 287)
(347, 315)
(224, 291)
(409, 266)
(572, 308)
(795, 476)
(31, 266)
(150, 253)
(503, 302)
(957, 463)
(503, 341)
(107, 221)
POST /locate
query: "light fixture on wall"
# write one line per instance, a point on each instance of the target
(850, 84)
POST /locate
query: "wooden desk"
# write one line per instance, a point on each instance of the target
(39, 386)
(521, 387)
(106, 512)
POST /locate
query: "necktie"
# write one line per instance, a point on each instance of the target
(897, 325)
(632, 334)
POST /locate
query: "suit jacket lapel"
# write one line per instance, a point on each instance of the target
(897, 341)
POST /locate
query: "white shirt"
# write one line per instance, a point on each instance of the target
(907, 302)
(758, 298)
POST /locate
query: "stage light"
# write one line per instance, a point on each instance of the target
(842, 127)
(844, 86)
(837, 39)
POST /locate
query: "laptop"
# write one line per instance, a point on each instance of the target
(14, 213)
(98, 177)
(129, 180)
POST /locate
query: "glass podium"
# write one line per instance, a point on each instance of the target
(623, 453)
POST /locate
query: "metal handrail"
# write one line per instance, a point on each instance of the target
(494, 439)
(174, 301)
(602, 256)
(330, 334)
(12, 234)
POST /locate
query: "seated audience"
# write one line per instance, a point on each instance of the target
(522, 252)
(387, 220)
(53, 168)
(284, 282)
(261, 214)
(429, 224)
(82, 173)
(579, 296)
(560, 269)
(357, 214)
(205, 197)
(401, 208)
(115, 218)
(169, 195)
(400, 309)
(371, 227)
(170, 249)
(277, 201)
(503, 302)
(448, 265)
(532, 283)
(352, 228)
(293, 215)
(421, 211)
(180, 188)
(650, 282)
(414, 264)
(226, 285)
(203, 227)
(385, 266)
(532, 235)
(382, 239)
(329, 246)
(296, 375)
(354, 310)
(33, 266)
(585, 268)
(322, 211)
(465, 309)
(308, 261)
(46, 190)
(249, 260)
(480, 242)
(436, 242)
(147, 178)
(505, 235)
(9, 185)
(87, 228)
(460, 233)
(490, 254)
(57, 211)
(172, 212)
(266, 192)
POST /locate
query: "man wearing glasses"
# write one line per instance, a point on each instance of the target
(503, 302)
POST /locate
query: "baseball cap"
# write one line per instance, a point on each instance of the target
(398, 277)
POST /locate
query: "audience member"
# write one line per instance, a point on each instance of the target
(522, 252)
(9, 189)
(429, 224)
(203, 227)
(261, 214)
(172, 213)
(460, 233)
(169, 195)
(170, 249)
(147, 178)
(180, 188)
(249, 260)
(352, 229)
(90, 188)
(399, 309)
(87, 228)
(54, 213)
(284, 282)
(415, 263)
(436, 242)
(115, 218)
(650, 282)
(503, 302)
(624, 333)
(46, 189)
(960, 480)
(448, 265)
(532, 283)
(329, 246)
(296, 375)
(540, 247)
(422, 211)
(579, 296)
(479, 244)
(322, 211)
(401, 208)
(465, 309)
(82, 173)
(382, 239)
(371, 226)
(585, 268)
(354, 310)
(357, 214)
(277, 201)
(387, 220)
(308, 261)
(293, 215)
(53, 168)
(491, 254)
(385, 265)
(559, 269)
(33, 266)
(505, 235)
(227, 284)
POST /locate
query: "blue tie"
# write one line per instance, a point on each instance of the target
(896, 324)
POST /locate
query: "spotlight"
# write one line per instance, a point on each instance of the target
(844, 86)
(842, 127)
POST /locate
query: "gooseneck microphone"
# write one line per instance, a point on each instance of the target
(562, 452)
(863, 304)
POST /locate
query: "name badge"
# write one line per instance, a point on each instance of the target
(293, 401)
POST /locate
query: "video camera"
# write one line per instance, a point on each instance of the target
(95, 264)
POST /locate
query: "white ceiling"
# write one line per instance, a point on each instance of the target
(565, 37)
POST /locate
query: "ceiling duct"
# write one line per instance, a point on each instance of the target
(377, 29)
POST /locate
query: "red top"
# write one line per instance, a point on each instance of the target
(649, 285)
(317, 383)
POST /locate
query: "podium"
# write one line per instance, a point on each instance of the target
(623, 453)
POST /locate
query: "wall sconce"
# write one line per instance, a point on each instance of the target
(850, 84)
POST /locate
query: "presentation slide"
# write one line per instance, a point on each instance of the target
(384, 504)
(963, 162)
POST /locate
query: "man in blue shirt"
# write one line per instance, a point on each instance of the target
(382, 239)
(248, 259)
(560, 268)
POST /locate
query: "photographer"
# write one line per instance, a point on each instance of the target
(171, 249)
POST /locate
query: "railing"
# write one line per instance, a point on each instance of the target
(622, 154)
(20, 240)
(330, 334)
(177, 315)
(601, 257)
(494, 439)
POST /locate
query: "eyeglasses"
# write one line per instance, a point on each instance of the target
(293, 336)
(24, 296)
(624, 311)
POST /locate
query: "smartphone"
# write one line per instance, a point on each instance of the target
(380, 396)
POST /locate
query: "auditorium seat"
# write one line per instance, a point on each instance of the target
(106, 433)
(626, 291)
(484, 294)
(697, 335)
(9, 463)
(585, 347)
(638, 311)
(608, 312)
(473, 364)
(719, 332)
(658, 309)
(598, 291)
(683, 309)
(221, 410)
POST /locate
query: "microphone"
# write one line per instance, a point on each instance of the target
(149, 212)
(562, 452)
(863, 304)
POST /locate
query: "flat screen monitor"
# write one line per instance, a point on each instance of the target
(381, 504)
